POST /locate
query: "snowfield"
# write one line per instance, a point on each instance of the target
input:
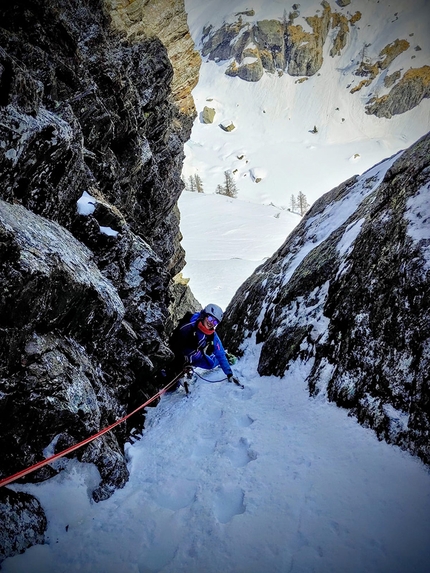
(230, 480)
(226, 239)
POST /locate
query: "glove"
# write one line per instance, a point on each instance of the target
(233, 379)
(231, 358)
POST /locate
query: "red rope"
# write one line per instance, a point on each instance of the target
(49, 460)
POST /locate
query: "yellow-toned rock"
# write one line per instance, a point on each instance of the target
(166, 20)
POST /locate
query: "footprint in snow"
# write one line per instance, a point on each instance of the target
(244, 393)
(154, 558)
(214, 414)
(244, 421)
(241, 454)
(203, 446)
(175, 494)
(229, 501)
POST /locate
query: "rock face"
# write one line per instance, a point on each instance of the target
(412, 88)
(86, 300)
(251, 67)
(349, 292)
(254, 47)
(305, 48)
(167, 21)
(60, 312)
(22, 527)
(274, 45)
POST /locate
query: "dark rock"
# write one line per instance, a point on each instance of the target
(84, 315)
(219, 44)
(352, 298)
(23, 522)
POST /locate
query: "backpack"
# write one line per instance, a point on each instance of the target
(175, 336)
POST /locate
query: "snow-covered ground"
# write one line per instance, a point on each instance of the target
(244, 481)
(226, 239)
(263, 479)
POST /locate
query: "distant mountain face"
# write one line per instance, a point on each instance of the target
(349, 293)
(296, 45)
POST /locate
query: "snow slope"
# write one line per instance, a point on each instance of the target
(260, 479)
(226, 239)
(273, 117)
(244, 481)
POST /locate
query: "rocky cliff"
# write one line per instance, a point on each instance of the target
(349, 294)
(295, 45)
(91, 151)
(166, 20)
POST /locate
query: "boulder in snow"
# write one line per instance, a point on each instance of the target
(208, 114)
(227, 126)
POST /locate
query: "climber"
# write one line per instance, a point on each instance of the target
(196, 344)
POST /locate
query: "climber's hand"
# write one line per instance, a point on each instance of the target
(235, 380)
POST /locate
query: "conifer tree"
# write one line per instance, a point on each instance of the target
(299, 204)
(230, 188)
(194, 184)
(302, 203)
(191, 184)
(199, 183)
(293, 202)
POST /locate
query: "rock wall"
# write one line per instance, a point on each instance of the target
(91, 152)
(406, 94)
(287, 46)
(305, 49)
(23, 522)
(166, 20)
(277, 46)
(349, 292)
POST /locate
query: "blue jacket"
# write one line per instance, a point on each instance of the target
(193, 342)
